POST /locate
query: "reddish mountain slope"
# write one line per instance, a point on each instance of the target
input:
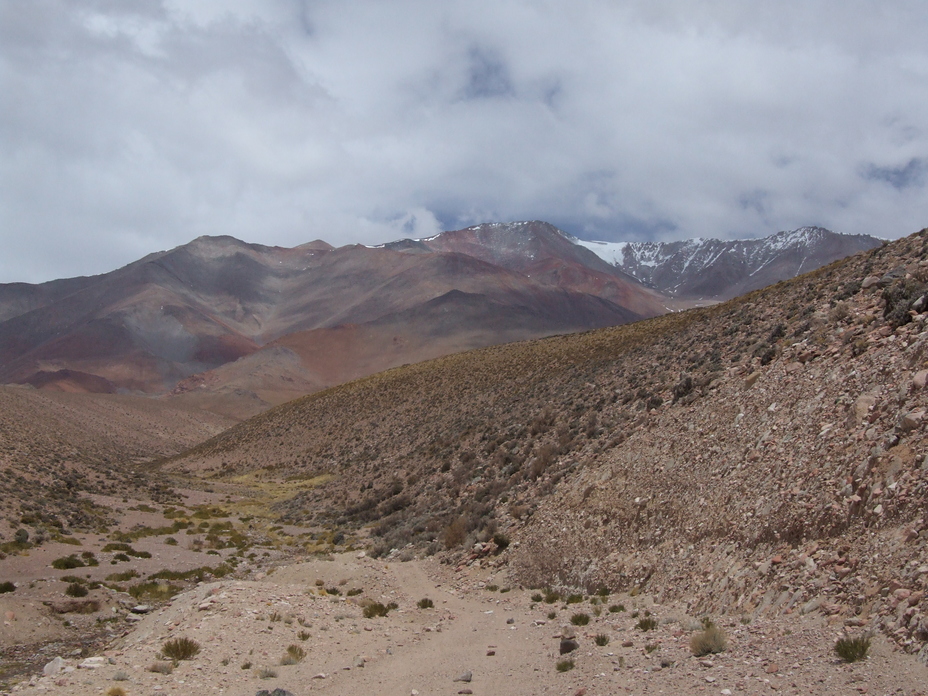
(342, 313)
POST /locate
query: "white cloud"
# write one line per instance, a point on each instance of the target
(131, 127)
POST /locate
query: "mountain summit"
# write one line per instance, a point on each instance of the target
(719, 270)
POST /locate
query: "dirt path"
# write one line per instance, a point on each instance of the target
(504, 639)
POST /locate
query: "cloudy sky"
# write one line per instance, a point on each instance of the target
(131, 127)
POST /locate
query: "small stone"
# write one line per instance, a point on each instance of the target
(53, 667)
(568, 645)
(869, 282)
(321, 675)
(772, 668)
(359, 661)
(466, 677)
(920, 379)
(93, 663)
(491, 653)
(709, 679)
(625, 644)
(810, 606)
(912, 419)
(510, 621)
(465, 691)
(141, 609)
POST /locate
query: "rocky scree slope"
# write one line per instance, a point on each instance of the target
(762, 455)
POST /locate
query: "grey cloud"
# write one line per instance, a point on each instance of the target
(912, 173)
(132, 127)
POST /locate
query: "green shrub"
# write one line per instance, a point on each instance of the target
(616, 608)
(551, 597)
(574, 599)
(853, 649)
(304, 635)
(538, 597)
(580, 619)
(354, 592)
(601, 639)
(180, 649)
(68, 562)
(76, 590)
(7, 587)
(564, 665)
(712, 640)
(122, 577)
(426, 603)
(646, 624)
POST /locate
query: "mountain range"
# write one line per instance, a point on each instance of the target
(235, 327)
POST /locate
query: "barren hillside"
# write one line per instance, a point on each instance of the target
(766, 455)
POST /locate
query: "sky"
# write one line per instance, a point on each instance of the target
(131, 127)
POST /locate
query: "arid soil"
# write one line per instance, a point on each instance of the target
(479, 625)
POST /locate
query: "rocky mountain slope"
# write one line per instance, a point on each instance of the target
(216, 300)
(717, 269)
(758, 457)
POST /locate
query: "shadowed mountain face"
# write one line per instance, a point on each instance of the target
(307, 317)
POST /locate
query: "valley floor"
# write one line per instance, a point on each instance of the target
(478, 625)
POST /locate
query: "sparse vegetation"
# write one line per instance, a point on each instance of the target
(646, 624)
(68, 562)
(375, 609)
(580, 619)
(616, 608)
(564, 665)
(180, 649)
(601, 639)
(295, 654)
(7, 587)
(161, 667)
(426, 603)
(710, 641)
(267, 673)
(853, 649)
(76, 590)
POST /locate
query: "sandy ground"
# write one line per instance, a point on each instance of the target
(504, 639)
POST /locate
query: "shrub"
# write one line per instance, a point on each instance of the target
(304, 635)
(116, 691)
(68, 562)
(551, 597)
(122, 577)
(180, 649)
(161, 667)
(853, 649)
(538, 597)
(354, 592)
(121, 676)
(646, 624)
(501, 541)
(616, 608)
(375, 609)
(7, 587)
(580, 619)
(712, 640)
(76, 590)
(564, 665)
(574, 599)
(601, 639)
(267, 673)
(294, 655)
(426, 603)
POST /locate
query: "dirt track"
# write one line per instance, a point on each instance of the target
(423, 650)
